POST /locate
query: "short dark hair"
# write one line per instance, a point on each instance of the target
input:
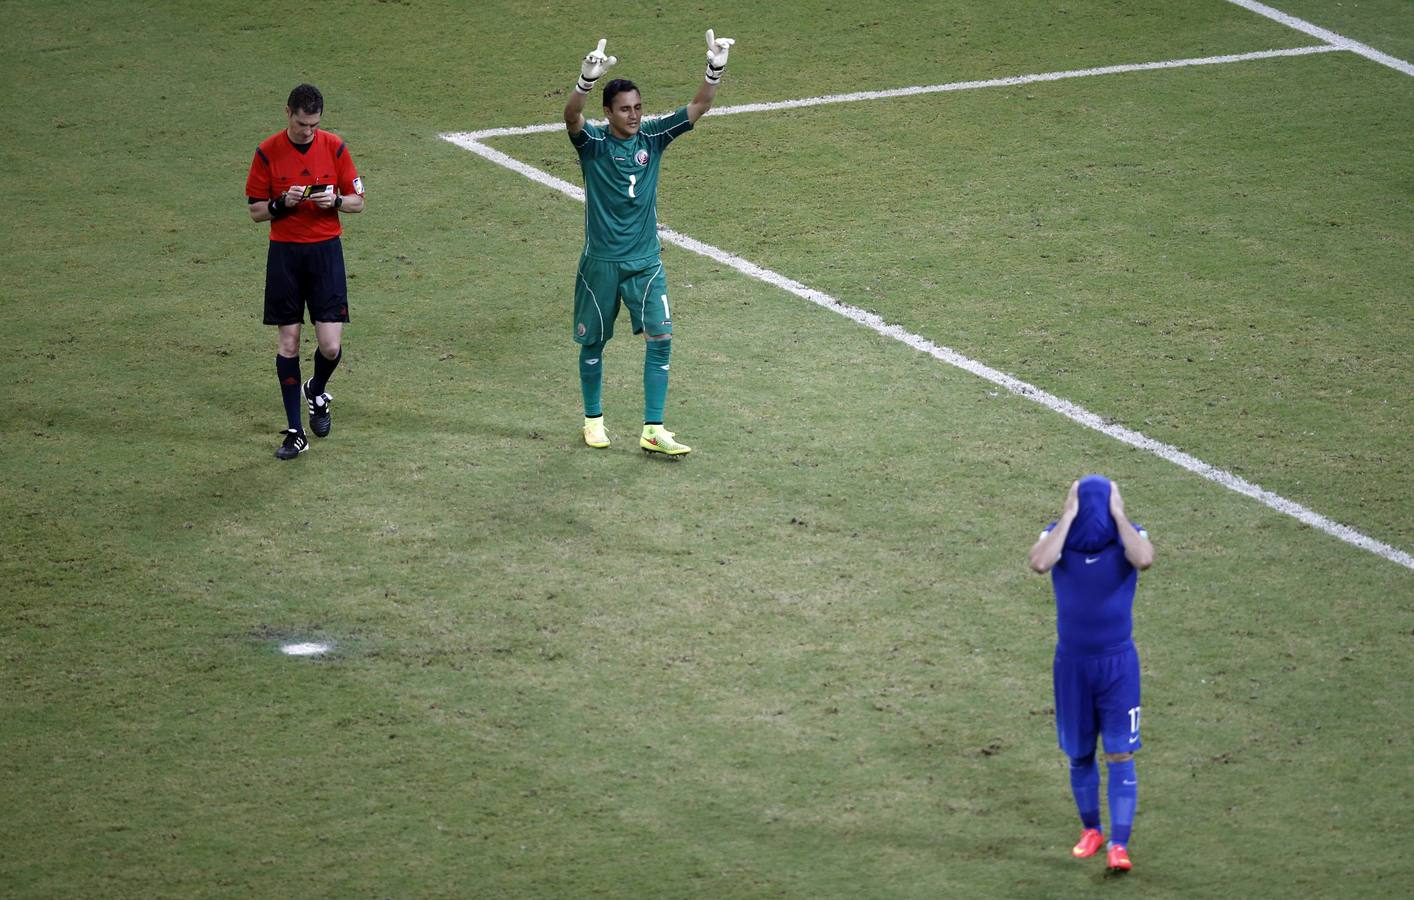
(616, 87)
(305, 98)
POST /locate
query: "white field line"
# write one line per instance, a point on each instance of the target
(1330, 37)
(469, 141)
(1070, 410)
(1012, 81)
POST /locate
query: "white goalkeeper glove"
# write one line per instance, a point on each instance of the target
(717, 49)
(594, 65)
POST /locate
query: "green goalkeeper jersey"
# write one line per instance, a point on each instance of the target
(621, 186)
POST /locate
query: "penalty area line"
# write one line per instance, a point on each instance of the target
(1337, 41)
(470, 141)
(917, 90)
(947, 355)
(1066, 408)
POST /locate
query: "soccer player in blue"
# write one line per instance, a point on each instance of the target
(621, 261)
(1094, 554)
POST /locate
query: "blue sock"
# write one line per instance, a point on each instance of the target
(1085, 785)
(287, 367)
(591, 378)
(1124, 798)
(655, 379)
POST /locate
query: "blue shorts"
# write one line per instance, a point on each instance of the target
(1097, 696)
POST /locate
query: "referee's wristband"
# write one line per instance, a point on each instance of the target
(278, 209)
(338, 201)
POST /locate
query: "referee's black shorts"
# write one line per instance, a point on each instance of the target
(305, 275)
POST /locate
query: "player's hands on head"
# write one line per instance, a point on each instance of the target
(717, 51)
(1116, 502)
(1072, 501)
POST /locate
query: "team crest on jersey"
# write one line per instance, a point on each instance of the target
(358, 186)
(641, 157)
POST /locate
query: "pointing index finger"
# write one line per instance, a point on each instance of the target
(600, 49)
(711, 40)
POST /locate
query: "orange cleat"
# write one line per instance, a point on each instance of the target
(1118, 859)
(1090, 840)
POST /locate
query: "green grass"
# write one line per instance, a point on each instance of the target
(1378, 23)
(805, 661)
(1249, 309)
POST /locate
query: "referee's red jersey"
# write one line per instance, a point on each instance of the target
(279, 162)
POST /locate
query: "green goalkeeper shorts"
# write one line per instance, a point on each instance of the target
(601, 284)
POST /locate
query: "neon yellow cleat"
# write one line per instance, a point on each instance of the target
(594, 434)
(657, 439)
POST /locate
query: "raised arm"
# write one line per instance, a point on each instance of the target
(595, 64)
(717, 50)
(1047, 549)
(574, 113)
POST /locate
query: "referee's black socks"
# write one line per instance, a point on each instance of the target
(323, 368)
(287, 368)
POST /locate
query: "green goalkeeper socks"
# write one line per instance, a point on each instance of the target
(591, 378)
(655, 379)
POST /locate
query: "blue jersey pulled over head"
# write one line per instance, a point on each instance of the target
(1093, 580)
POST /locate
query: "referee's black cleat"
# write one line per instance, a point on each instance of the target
(295, 444)
(319, 419)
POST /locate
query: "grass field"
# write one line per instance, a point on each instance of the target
(807, 660)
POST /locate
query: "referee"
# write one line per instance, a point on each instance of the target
(300, 180)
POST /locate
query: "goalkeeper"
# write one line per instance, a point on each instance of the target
(621, 260)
